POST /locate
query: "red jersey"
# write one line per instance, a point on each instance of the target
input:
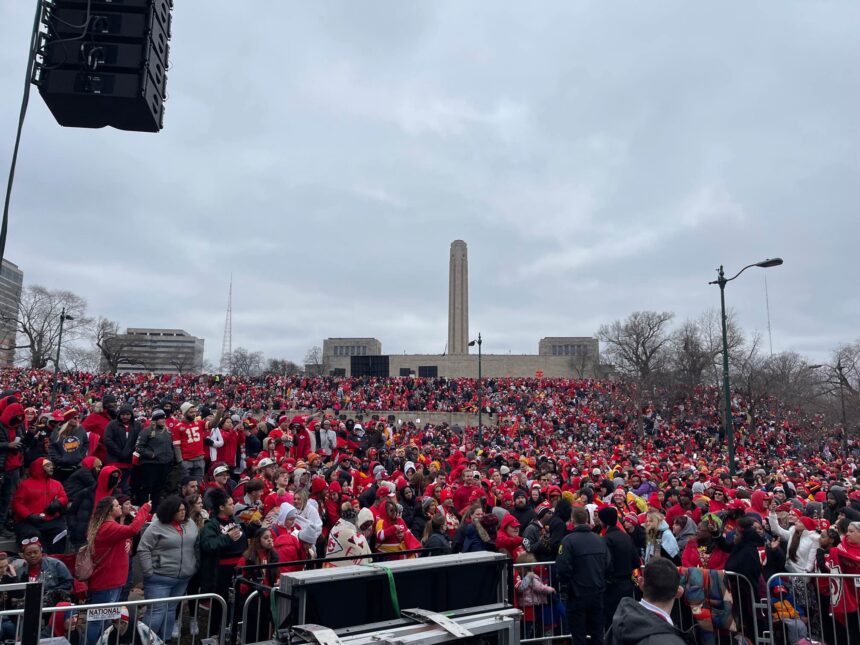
(189, 437)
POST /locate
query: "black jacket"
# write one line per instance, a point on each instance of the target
(35, 442)
(633, 624)
(524, 515)
(536, 542)
(583, 562)
(745, 559)
(81, 490)
(119, 443)
(625, 557)
(439, 542)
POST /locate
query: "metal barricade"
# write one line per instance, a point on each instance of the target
(543, 612)
(822, 607)
(749, 608)
(63, 621)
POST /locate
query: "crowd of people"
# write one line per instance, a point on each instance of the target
(192, 477)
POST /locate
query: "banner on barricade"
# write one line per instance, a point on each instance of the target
(107, 613)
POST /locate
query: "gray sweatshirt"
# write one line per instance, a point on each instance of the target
(164, 551)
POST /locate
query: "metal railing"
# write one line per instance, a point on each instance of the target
(821, 607)
(109, 618)
(544, 617)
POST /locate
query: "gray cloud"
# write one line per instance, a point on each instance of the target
(597, 159)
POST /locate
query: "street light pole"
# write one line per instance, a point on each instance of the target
(728, 424)
(721, 281)
(841, 378)
(480, 389)
(63, 318)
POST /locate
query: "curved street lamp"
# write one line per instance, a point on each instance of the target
(722, 281)
(472, 343)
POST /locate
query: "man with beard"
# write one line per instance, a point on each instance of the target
(524, 513)
(189, 437)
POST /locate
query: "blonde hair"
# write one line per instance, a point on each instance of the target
(101, 514)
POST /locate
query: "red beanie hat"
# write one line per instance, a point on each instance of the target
(808, 523)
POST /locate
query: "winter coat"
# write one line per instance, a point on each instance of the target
(119, 440)
(688, 532)
(633, 624)
(36, 442)
(11, 458)
(625, 557)
(745, 558)
(217, 548)
(166, 551)
(806, 549)
(583, 562)
(69, 449)
(81, 489)
(35, 493)
(346, 541)
(111, 549)
(289, 549)
(534, 592)
(155, 446)
(472, 540)
(438, 543)
(524, 515)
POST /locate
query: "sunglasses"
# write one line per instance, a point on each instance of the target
(30, 540)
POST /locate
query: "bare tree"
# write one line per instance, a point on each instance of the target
(245, 363)
(38, 322)
(637, 346)
(79, 358)
(711, 331)
(697, 347)
(689, 354)
(282, 367)
(182, 359)
(115, 349)
(314, 362)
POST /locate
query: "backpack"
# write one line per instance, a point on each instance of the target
(85, 565)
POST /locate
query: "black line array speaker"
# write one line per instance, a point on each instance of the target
(104, 62)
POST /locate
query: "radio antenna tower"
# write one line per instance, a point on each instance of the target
(227, 343)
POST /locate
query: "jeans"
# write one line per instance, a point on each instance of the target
(10, 483)
(161, 616)
(194, 468)
(96, 628)
(8, 629)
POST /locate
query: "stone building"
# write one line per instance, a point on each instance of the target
(11, 284)
(557, 356)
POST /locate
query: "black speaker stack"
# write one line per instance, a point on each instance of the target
(104, 62)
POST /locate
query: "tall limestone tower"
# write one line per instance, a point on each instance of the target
(458, 299)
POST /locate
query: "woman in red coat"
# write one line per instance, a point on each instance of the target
(38, 505)
(111, 544)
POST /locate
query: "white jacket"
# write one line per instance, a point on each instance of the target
(806, 549)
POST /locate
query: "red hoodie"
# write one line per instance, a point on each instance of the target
(96, 424)
(103, 487)
(110, 552)
(14, 458)
(36, 492)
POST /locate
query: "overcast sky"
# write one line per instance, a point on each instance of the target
(598, 158)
